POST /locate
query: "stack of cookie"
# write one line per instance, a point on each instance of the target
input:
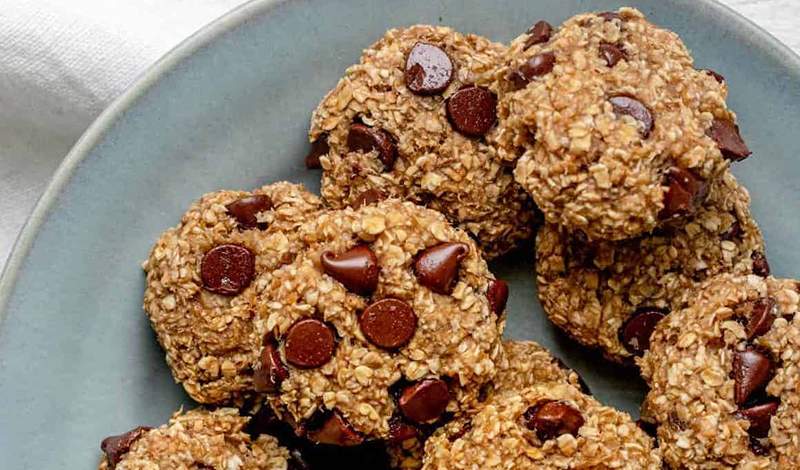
(364, 329)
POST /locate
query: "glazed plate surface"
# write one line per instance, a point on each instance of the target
(229, 108)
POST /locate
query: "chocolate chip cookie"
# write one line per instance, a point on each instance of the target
(609, 295)
(389, 321)
(198, 439)
(547, 426)
(409, 120)
(609, 126)
(203, 279)
(724, 376)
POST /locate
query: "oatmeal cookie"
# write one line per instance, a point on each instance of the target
(610, 127)
(198, 439)
(525, 364)
(546, 426)
(203, 278)
(386, 323)
(610, 295)
(724, 374)
(409, 121)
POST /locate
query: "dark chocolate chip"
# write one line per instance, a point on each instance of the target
(636, 331)
(714, 74)
(272, 371)
(752, 369)
(437, 267)
(497, 294)
(550, 419)
(115, 447)
(227, 269)
(609, 15)
(472, 110)
(365, 139)
(726, 134)
(357, 269)
(762, 313)
(625, 105)
(685, 193)
(336, 430)
(309, 343)
(400, 431)
(424, 401)
(388, 323)
(759, 417)
(536, 66)
(370, 196)
(538, 33)
(318, 148)
(246, 209)
(760, 264)
(612, 53)
(429, 69)
(734, 232)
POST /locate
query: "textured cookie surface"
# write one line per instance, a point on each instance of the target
(542, 427)
(202, 299)
(609, 295)
(389, 316)
(596, 116)
(383, 139)
(198, 439)
(724, 377)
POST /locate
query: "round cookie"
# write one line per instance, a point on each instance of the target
(723, 376)
(387, 323)
(525, 364)
(609, 126)
(546, 426)
(203, 278)
(609, 295)
(408, 121)
(197, 439)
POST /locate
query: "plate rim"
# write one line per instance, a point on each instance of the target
(215, 29)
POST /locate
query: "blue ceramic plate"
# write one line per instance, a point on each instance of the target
(229, 108)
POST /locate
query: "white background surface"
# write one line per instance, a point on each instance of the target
(63, 61)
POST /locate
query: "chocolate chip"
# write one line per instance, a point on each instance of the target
(734, 232)
(400, 431)
(309, 343)
(357, 269)
(625, 105)
(612, 53)
(685, 193)
(318, 148)
(762, 313)
(429, 69)
(437, 267)
(760, 264)
(472, 110)
(536, 66)
(227, 269)
(336, 430)
(714, 74)
(497, 294)
(550, 419)
(115, 447)
(609, 15)
(272, 372)
(636, 331)
(726, 134)
(370, 196)
(246, 209)
(752, 369)
(424, 401)
(538, 33)
(365, 139)
(759, 417)
(388, 323)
